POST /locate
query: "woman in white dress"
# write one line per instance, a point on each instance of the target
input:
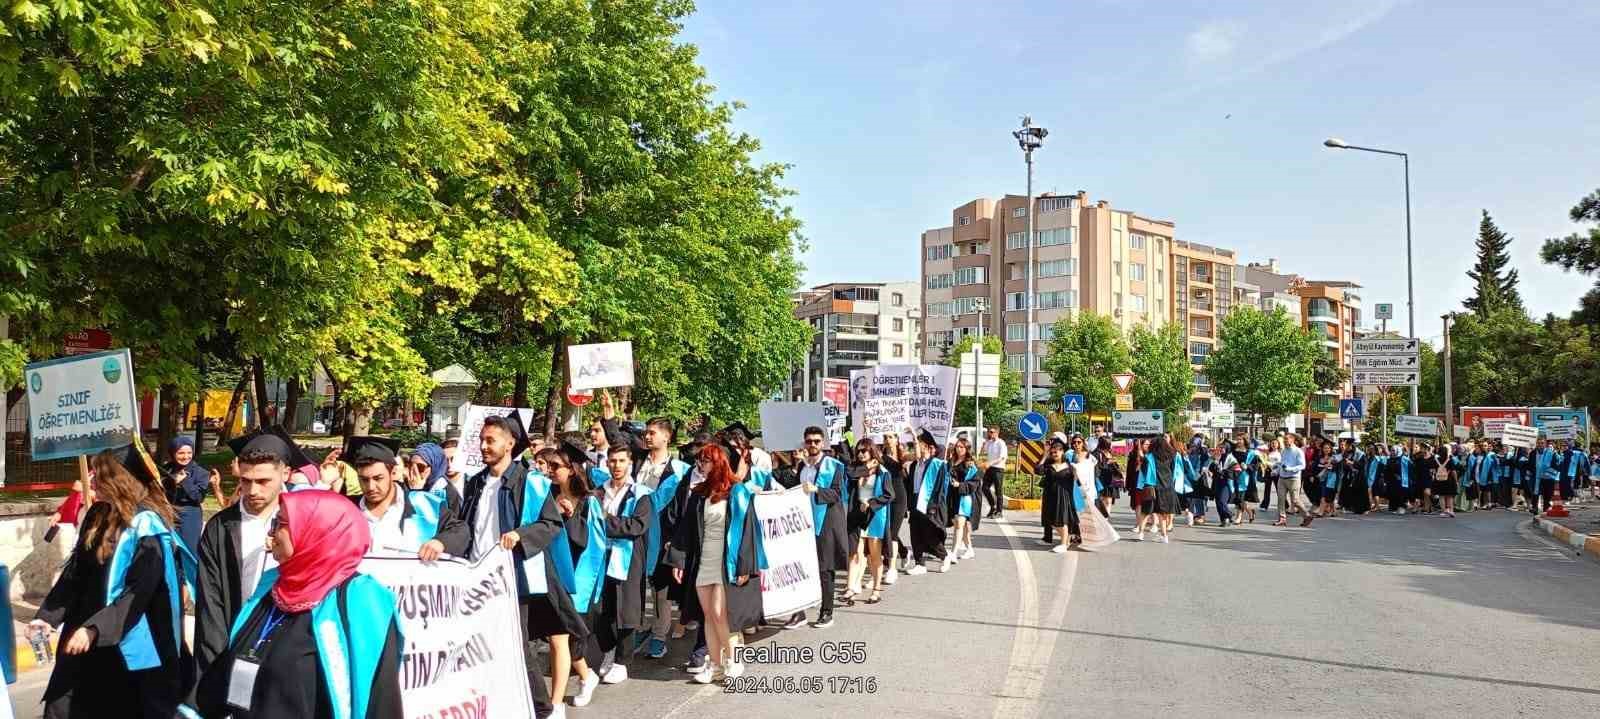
(1094, 527)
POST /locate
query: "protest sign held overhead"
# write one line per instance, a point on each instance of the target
(784, 423)
(469, 453)
(598, 366)
(903, 399)
(81, 405)
(835, 405)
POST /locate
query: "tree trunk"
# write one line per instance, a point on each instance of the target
(258, 368)
(291, 411)
(360, 422)
(333, 411)
(168, 407)
(226, 430)
(555, 397)
(519, 391)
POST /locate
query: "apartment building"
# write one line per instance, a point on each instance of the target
(856, 325)
(1088, 257)
(1330, 309)
(1202, 295)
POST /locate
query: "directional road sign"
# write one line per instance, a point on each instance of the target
(1384, 377)
(1032, 426)
(1384, 362)
(1385, 311)
(1353, 409)
(1072, 404)
(1388, 346)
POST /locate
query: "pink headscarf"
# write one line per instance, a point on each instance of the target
(329, 535)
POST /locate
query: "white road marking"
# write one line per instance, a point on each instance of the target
(1033, 644)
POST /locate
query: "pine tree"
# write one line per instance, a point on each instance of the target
(1496, 286)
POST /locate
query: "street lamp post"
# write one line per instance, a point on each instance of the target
(1029, 138)
(1411, 305)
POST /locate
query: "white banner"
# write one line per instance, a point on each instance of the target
(463, 643)
(1520, 435)
(469, 452)
(791, 582)
(1144, 423)
(609, 364)
(904, 399)
(784, 423)
(81, 405)
(1558, 429)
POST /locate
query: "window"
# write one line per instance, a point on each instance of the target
(899, 350)
(965, 305)
(1135, 240)
(898, 300)
(1201, 380)
(1054, 204)
(899, 324)
(1056, 300)
(963, 221)
(1016, 300)
(939, 252)
(1014, 271)
(1136, 271)
(1016, 240)
(1017, 362)
(1016, 332)
(938, 309)
(1058, 268)
(1161, 307)
(865, 294)
(1116, 268)
(1138, 303)
(1020, 211)
(1047, 331)
(1160, 275)
(941, 339)
(979, 248)
(972, 275)
(941, 281)
(1053, 237)
(1198, 352)
(1116, 300)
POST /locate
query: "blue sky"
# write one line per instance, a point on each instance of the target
(1209, 114)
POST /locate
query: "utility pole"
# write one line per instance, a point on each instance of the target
(977, 347)
(1029, 138)
(1383, 392)
(1449, 391)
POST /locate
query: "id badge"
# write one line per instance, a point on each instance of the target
(242, 683)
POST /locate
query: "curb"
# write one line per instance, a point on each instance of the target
(1028, 505)
(1583, 543)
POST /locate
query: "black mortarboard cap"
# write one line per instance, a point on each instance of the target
(371, 449)
(734, 458)
(574, 452)
(926, 437)
(133, 460)
(269, 444)
(737, 426)
(237, 444)
(297, 457)
(519, 434)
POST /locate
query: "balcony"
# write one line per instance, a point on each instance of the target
(1200, 331)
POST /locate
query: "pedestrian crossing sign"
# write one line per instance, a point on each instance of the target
(1072, 404)
(1351, 409)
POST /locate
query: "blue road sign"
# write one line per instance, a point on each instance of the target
(1353, 408)
(1072, 403)
(1033, 426)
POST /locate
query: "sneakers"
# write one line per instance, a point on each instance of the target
(1165, 539)
(906, 565)
(968, 553)
(617, 675)
(1139, 536)
(590, 682)
(657, 648)
(795, 621)
(1059, 549)
(559, 711)
(696, 664)
(823, 622)
(945, 567)
(708, 674)
(733, 670)
(916, 570)
(889, 577)
(1046, 542)
(640, 641)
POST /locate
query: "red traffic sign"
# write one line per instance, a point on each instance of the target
(579, 397)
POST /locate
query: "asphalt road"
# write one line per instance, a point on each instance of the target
(1370, 617)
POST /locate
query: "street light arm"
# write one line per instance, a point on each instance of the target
(1373, 149)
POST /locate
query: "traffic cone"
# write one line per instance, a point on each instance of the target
(1557, 509)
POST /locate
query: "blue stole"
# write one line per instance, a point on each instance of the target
(536, 490)
(348, 660)
(828, 470)
(1181, 474)
(426, 508)
(138, 644)
(1486, 465)
(619, 550)
(741, 501)
(930, 487)
(966, 505)
(1247, 471)
(1574, 461)
(760, 480)
(1405, 471)
(666, 487)
(1544, 467)
(1372, 469)
(590, 570)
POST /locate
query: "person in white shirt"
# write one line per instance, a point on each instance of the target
(1291, 462)
(400, 520)
(993, 457)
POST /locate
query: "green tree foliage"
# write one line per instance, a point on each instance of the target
(1010, 392)
(1264, 362)
(1495, 285)
(1165, 379)
(1580, 252)
(1085, 351)
(1492, 359)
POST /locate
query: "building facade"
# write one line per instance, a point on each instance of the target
(1330, 309)
(855, 325)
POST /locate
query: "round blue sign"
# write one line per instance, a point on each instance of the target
(1033, 426)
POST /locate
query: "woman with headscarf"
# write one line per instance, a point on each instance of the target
(121, 652)
(188, 483)
(318, 639)
(1168, 476)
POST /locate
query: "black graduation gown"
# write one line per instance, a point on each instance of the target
(289, 682)
(1058, 495)
(966, 488)
(1353, 485)
(97, 683)
(218, 587)
(833, 548)
(556, 610)
(634, 526)
(744, 601)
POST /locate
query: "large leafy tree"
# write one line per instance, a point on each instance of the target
(1495, 283)
(1580, 252)
(1165, 379)
(1264, 362)
(1085, 351)
(1009, 395)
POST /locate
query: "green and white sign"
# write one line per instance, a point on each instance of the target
(1144, 423)
(81, 405)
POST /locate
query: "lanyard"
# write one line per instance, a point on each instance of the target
(274, 618)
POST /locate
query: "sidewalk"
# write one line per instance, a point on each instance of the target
(1581, 530)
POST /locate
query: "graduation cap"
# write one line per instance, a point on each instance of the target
(926, 437)
(574, 453)
(237, 444)
(366, 449)
(739, 427)
(519, 434)
(133, 459)
(297, 456)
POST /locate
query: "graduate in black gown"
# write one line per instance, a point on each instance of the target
(1062, 496)
(275, 665)
(930, 485)
(1351, 466)
(121, 652)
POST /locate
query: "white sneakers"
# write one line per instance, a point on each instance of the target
(908, 564)
(968, 553)
(1139, 536)
(590, 682)
(949, 559)
(733, 669)
(916, 570)
(617, 675)
(889, 576)
(1059, 549)
(1165, 539)
(559, 711)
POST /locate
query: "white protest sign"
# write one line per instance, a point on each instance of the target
(1520, 435)
(81, 405)
(469, 451)
(783, 423)
(1560, 429)
(597, 366)
(790, 583)
(903, 399)
(1461, 431)
(463, 643)
(835, 404)
(1144, 423)
(1410, 425)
